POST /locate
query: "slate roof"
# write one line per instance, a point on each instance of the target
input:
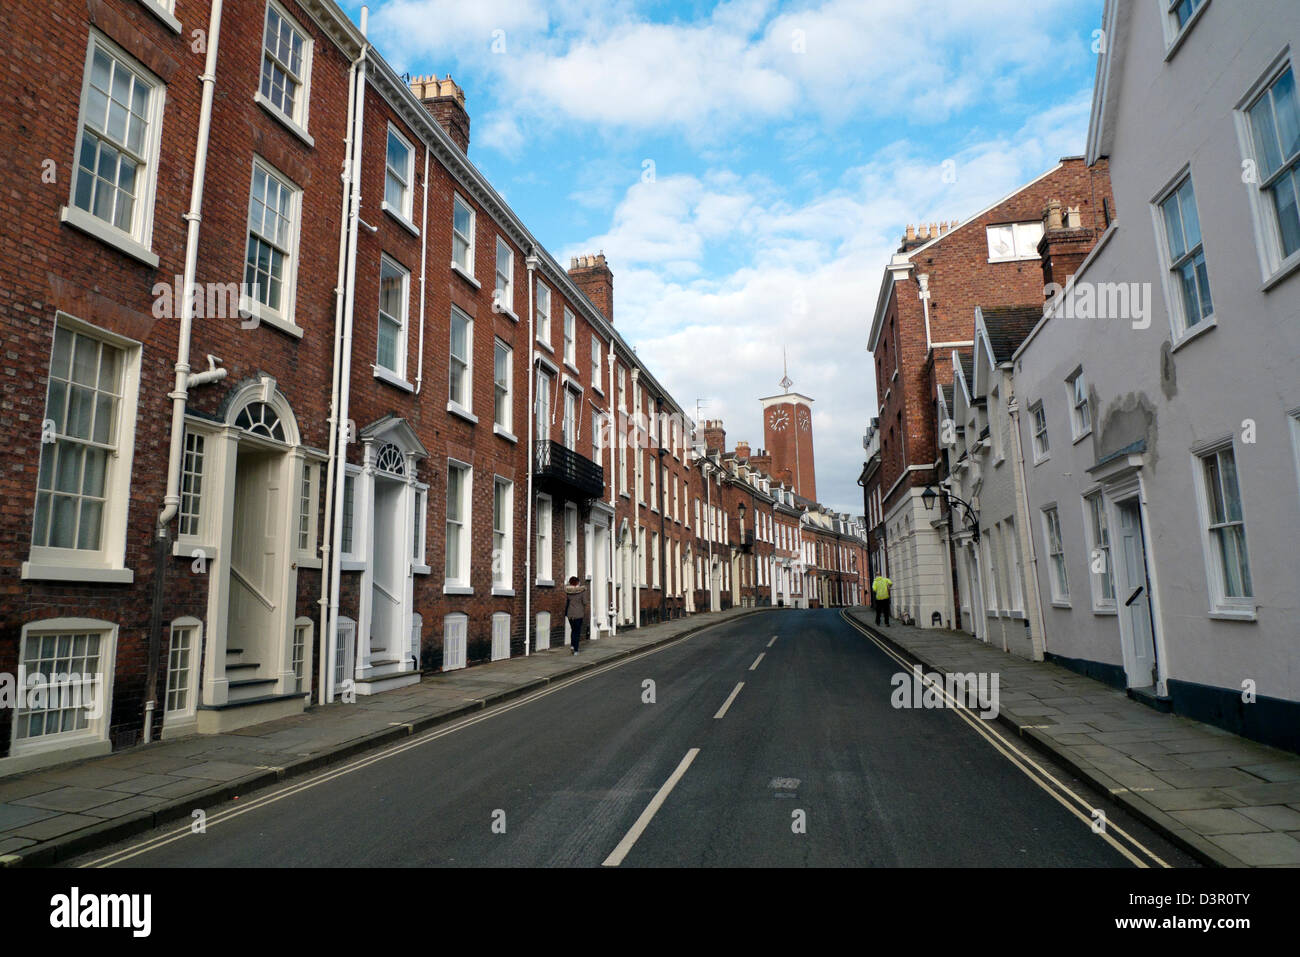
(1009, 326)
(967, 357)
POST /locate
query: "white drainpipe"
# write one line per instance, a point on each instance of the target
(636, 510)
(330, 539)
(345, 374)
(180, 393)
(531, 262)
(424, 248)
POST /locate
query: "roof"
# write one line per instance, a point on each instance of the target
(1008, 327)
(947, 396)
(967, 357)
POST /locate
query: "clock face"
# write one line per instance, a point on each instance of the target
(779, 419)
(805, 422)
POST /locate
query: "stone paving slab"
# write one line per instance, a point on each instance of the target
(55, 813)
(1227, 800)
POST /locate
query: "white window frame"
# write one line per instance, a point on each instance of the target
(1171, 267)
(545, 540)
(1175, 33)
(93, 739)
(284, 317)
(1095, 512)
(457, 582)
(164, 10)
(1275, 264)
(309, 471)
(466, 409)
(1038, 427)
(352, 523)
(397, 375)
(186, 715)
(137, 241)
(108, 562)
(1222, 605)
(302, 682)
(596, 370)
(503, 563)
(297, 120)
(1078, 428)
(455, 636)
(465, 269)
(542, 315)
(503, 296)
(1060, 588)
(405, 178)
(654, 560)
(571, 340)
(507, 393)
(420, 530)
(1025, 237)
(542, 410)
(500, 635)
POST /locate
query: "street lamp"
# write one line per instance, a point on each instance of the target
(741, 509)
(969, 515)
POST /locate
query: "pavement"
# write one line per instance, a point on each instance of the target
(769, 740)
(54, 813)
(1227, 800)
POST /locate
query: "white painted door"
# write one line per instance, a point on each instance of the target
(388, 574)
(1136, 598)
(256, 568)
(599, 579)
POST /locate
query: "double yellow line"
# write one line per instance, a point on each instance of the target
(1135, 851)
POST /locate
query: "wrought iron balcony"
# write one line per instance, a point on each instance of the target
(565, 468)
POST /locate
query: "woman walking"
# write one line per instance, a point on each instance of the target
(575, 609)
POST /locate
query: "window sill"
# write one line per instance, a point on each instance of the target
(402, 221)
(598, 390)
(1284, 270)
(546, 345)
(457, 590)
(392, 378)
(352, 565)
(309, 563)
(545, 583)
(508, 436)
(572, 368)
(1081, 436)
(1223, 613)
(418, 569)
(167, 18)
(1015, 259)
(1040, 461)
(259, 314)
(455, 408)
(506, 311)
(34, 571)
(78, 218)
(503, 592)
(1196, 331)
(1177, 41)
(284, 119)
(1105, 609)
(460, 271)
(1057, 603)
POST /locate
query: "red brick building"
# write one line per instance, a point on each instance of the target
(923, 316)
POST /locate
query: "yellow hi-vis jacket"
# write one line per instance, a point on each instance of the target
(880, 587)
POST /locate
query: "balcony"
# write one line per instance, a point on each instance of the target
(567, 471)
(745, 541)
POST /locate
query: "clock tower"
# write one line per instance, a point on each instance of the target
(787, 430)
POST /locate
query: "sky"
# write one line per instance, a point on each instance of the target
(748, 167)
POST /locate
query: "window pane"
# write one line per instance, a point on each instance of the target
(1288, 212)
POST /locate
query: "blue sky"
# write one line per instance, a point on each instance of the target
(748, 167)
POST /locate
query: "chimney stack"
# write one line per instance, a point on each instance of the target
(592, 275)
(715, 436)
(445, 100)
(742, 451)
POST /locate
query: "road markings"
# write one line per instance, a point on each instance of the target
(616, 856)
(289, 790)
(1039, 775)
(730, 698)
(757, 660)
(772, 642)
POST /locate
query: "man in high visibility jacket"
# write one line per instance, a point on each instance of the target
(880, 590)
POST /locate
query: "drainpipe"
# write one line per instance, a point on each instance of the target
(345, 372)
(660, 481)
(614, 432)
(180, 393)
(330, 534)
(1038, 641)
(636, 512)
(424, 248)
(531, 262)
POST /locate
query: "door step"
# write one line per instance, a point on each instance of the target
(1147, 696)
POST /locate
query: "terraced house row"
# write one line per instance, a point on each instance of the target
(296, 406)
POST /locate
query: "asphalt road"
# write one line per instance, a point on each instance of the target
(808, 765)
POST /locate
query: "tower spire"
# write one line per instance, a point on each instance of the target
(785, 371)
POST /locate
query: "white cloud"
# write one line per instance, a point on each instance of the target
(805, 281)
